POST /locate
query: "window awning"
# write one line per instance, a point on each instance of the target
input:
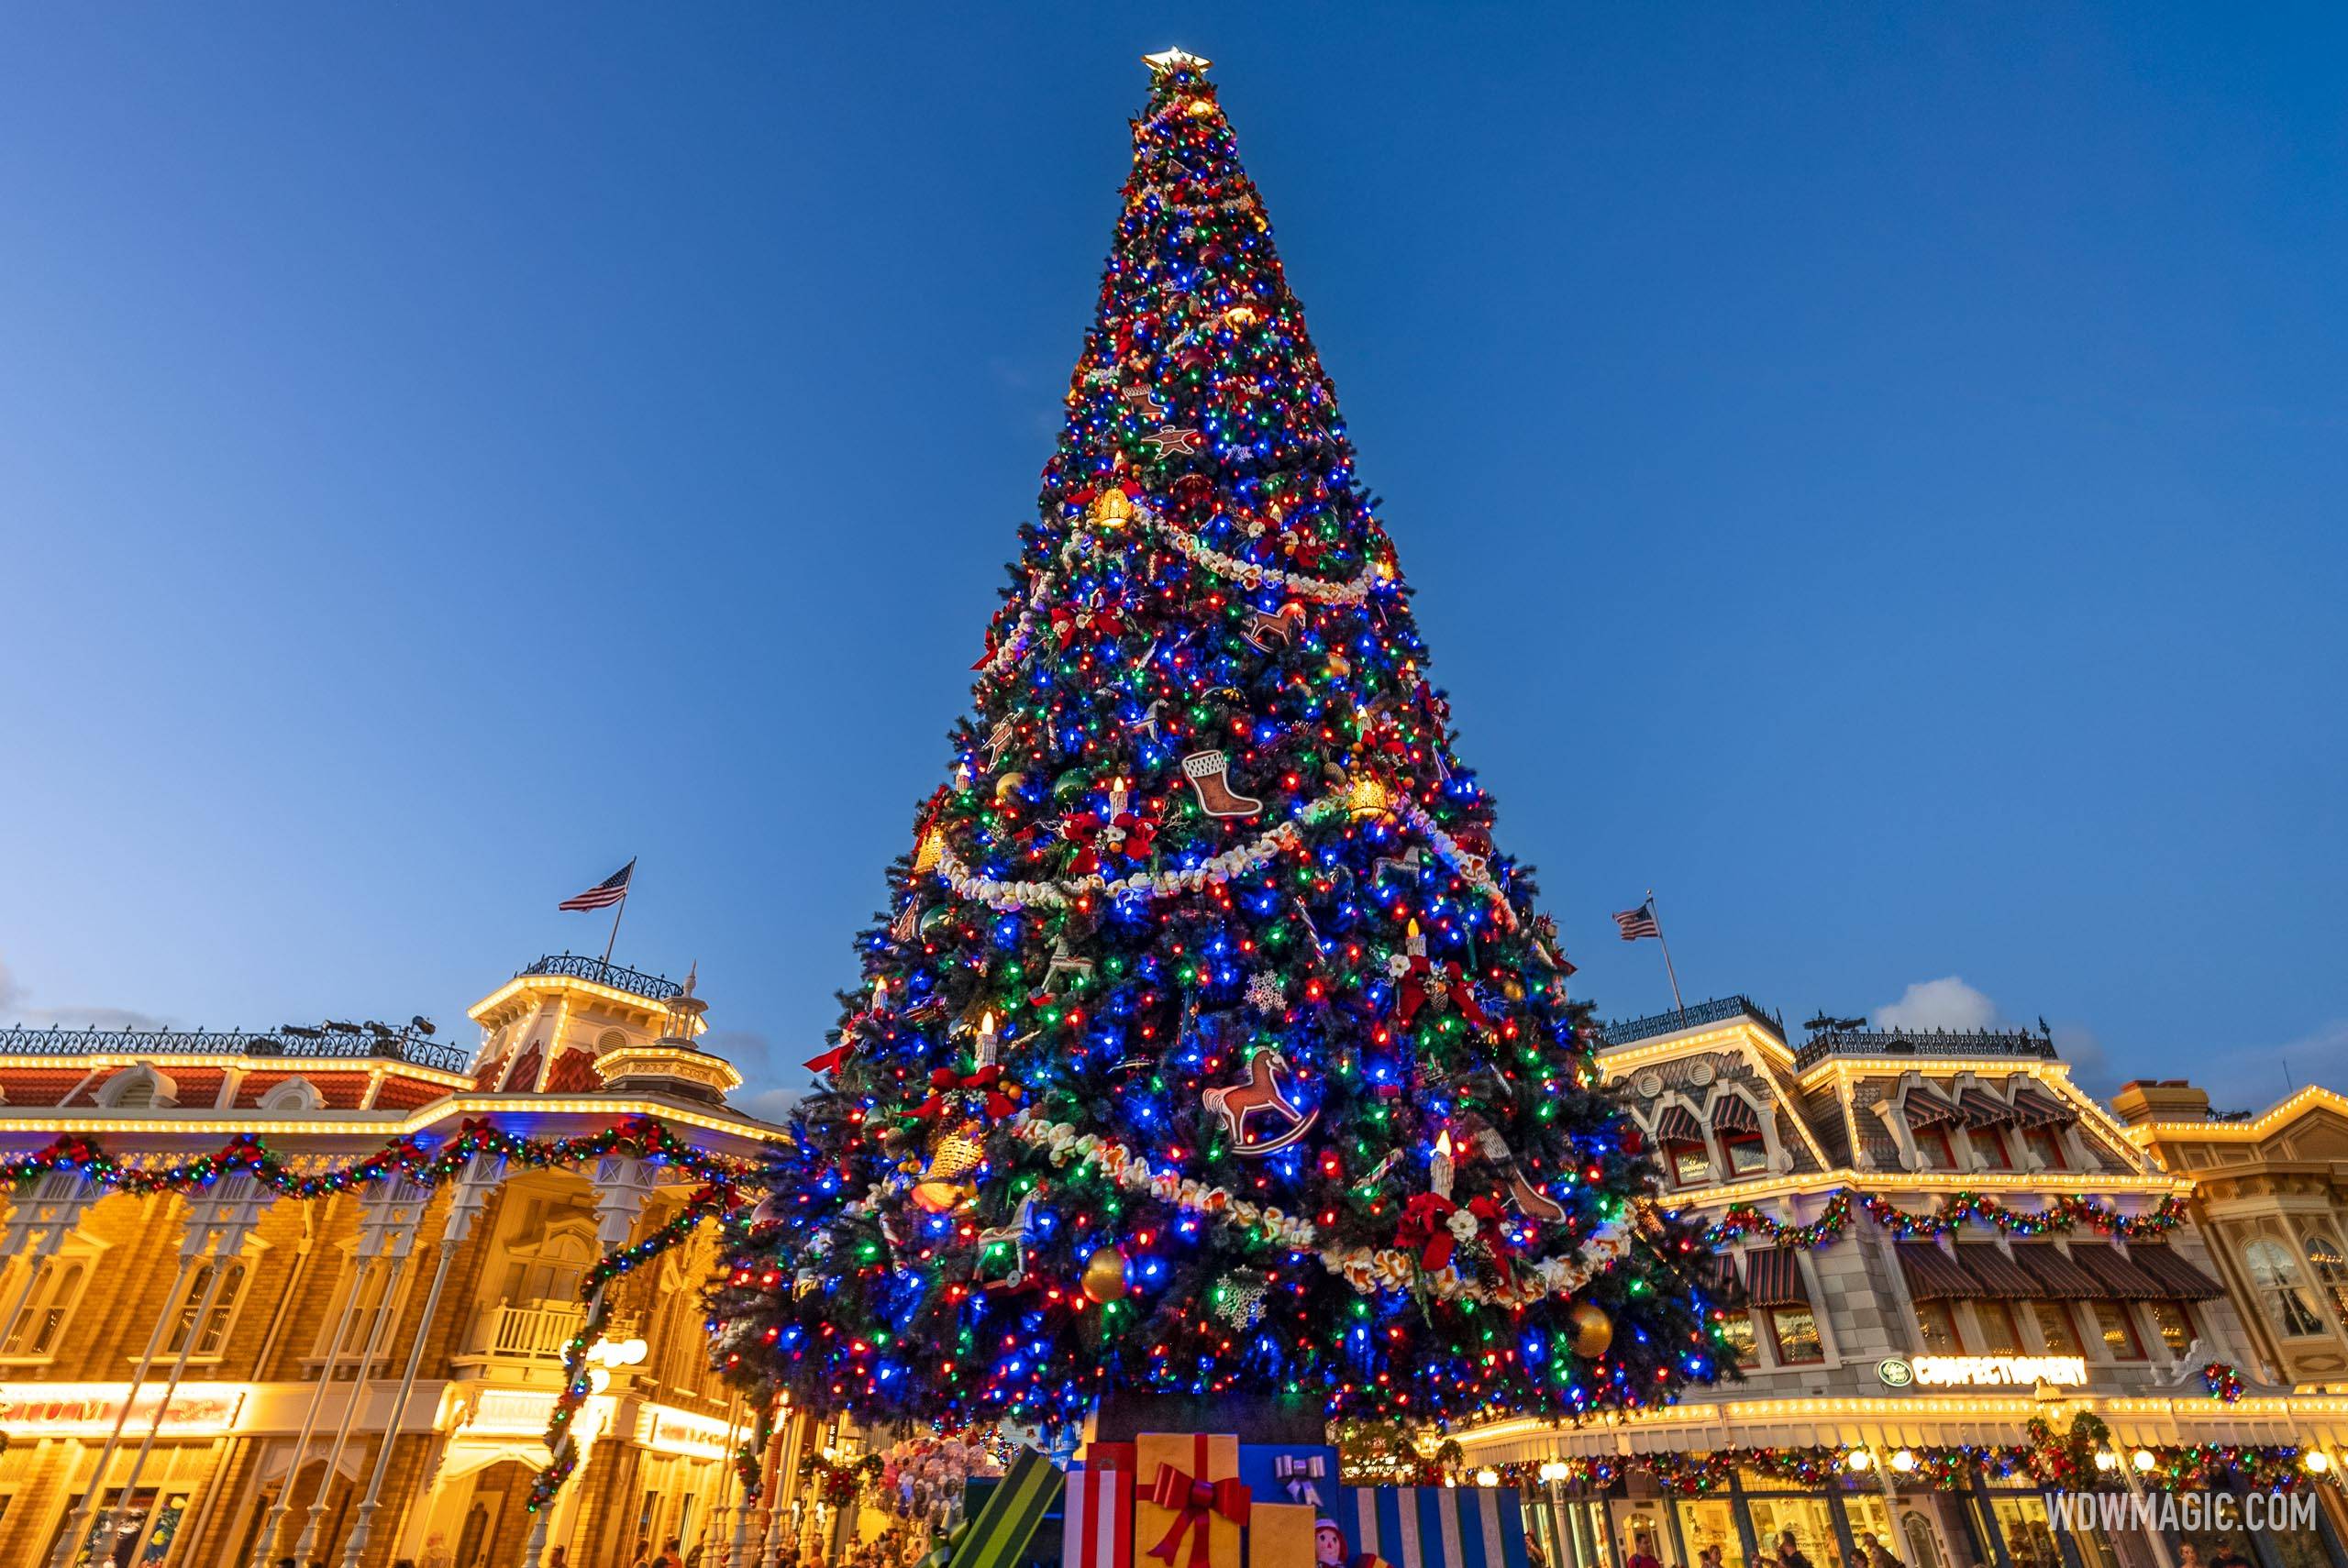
(1716, 1272)
(2059, 1279)
(1996, 1276)
(1675, 1125)
(1733, 1114)
(1925, 1108)
(2183, 1280)
(1773, 1279)
(2032, 1108)
(1983, 1109)
(2122, 1279)
(1932, 1274)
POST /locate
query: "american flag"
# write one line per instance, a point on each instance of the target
(603, 894)
(1639, 922)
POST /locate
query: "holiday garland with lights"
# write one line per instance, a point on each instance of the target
(2059, 1218)
(1208, 1044)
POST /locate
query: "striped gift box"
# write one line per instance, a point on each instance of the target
(1099, 1528)
(999, 1532)
(1435, 1527)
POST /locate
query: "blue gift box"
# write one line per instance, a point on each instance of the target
(1433, 1526)
(1290, 1472)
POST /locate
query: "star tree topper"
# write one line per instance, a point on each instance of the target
(1166, 60)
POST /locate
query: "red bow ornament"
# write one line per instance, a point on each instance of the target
(1122, 832)
(1425, 983)
(1426, 1229)
(1197, 1501)
(986, 1083)
(1095, 617)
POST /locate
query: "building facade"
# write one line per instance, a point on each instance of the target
(2270, 1194)
(1928, 1241)
(366, 1375)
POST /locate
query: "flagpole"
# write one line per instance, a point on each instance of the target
(618, 910)
(1662, 941)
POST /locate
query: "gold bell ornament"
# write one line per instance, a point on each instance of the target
(1105, 1276)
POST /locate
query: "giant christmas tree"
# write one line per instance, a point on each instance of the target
(1207, 1045)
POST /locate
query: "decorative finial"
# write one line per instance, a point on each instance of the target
(1171, 60)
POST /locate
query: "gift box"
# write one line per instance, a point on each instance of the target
(1280, 1535)
(1189, 1502)
(1110, 1456)
(1098, 1528)
(1290, 1472)
(1005, 1523)
(1430, 1526)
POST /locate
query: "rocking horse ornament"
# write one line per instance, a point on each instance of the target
(1239, 1104)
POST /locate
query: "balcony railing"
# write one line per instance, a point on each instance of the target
(536, 1332)
(578, 967)
(1720, 1009)
(329, 1042)
(2020, 1043)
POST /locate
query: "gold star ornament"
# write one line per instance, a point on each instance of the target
(1168, 60)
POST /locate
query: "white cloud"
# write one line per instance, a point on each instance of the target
(769, 1105)
(1944, 1003)
(13, 1010)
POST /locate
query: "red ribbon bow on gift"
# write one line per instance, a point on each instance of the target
(1424, 979)
(1196, 1500)
(1133, 837)
(945, 1082)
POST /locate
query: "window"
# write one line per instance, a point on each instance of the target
(2112, 1321)
(215, 1322)
(2331, 1271)
(2057, 1326)
(2042, 1142)
(1793, 1333)
(1737, 1341)
(2175, 1323)
(1933, 1150)
(1990, 1148)
(1690, 1162)
(2276, 1278)
(57, 1288)
(2000, 1334)
(1744, 1152)
(1936, 1326)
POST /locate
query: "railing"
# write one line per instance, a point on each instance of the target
(578, 967)
(1924, 1043)
(530, 1333)
(332, 1041)
(1720, 1009)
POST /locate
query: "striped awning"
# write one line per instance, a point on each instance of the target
(1716, 1273)
(2120, 1278)
(2181, 1278)
(1932, 1274)
(1675, 1125)
(1733, 1114)
(2032, 1108)
(1773, 1279)
(1926, 1108)
(1996, 1276)
(1983, 1109)
(2059, 1279)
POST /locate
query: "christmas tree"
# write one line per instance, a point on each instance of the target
(1208, 1045)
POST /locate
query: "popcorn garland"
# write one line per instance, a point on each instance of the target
(1370, 1271)
(2059, 1218)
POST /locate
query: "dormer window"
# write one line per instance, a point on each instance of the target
(1686, 1157)
(1738, 1128)
(1929, 1118)
(2044, 1146)
(1934, 1150)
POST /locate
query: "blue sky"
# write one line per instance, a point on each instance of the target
(1874, 474)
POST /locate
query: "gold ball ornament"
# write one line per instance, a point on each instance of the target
(1105, 1276)
(1593, 1330)
(1513, 989)
(1009, 785)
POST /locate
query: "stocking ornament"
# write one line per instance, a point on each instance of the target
(1210, 774)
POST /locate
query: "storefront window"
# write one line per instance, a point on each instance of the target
(1707, 1522)
(2029, 1540)
(1641, 1532)
(2044, 1146)
(1736, 1332)
(2056, 1327)
(1990, 1148)
(1744, 1152)
(2277, 1279)
(1793, 1333)
(2175, 1323)
(2118, 1332)
(1690, 1162)
(1936, 1326)
(2331, 1271)
(2000, 1334)
(1806, 1520)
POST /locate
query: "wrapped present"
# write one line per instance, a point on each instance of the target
(1281, 1535)
(1005, 1523)
(1290, 1472)
(1110, 1456)
(1189, 1502)
(1430, 1527)
(1099, 1528)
